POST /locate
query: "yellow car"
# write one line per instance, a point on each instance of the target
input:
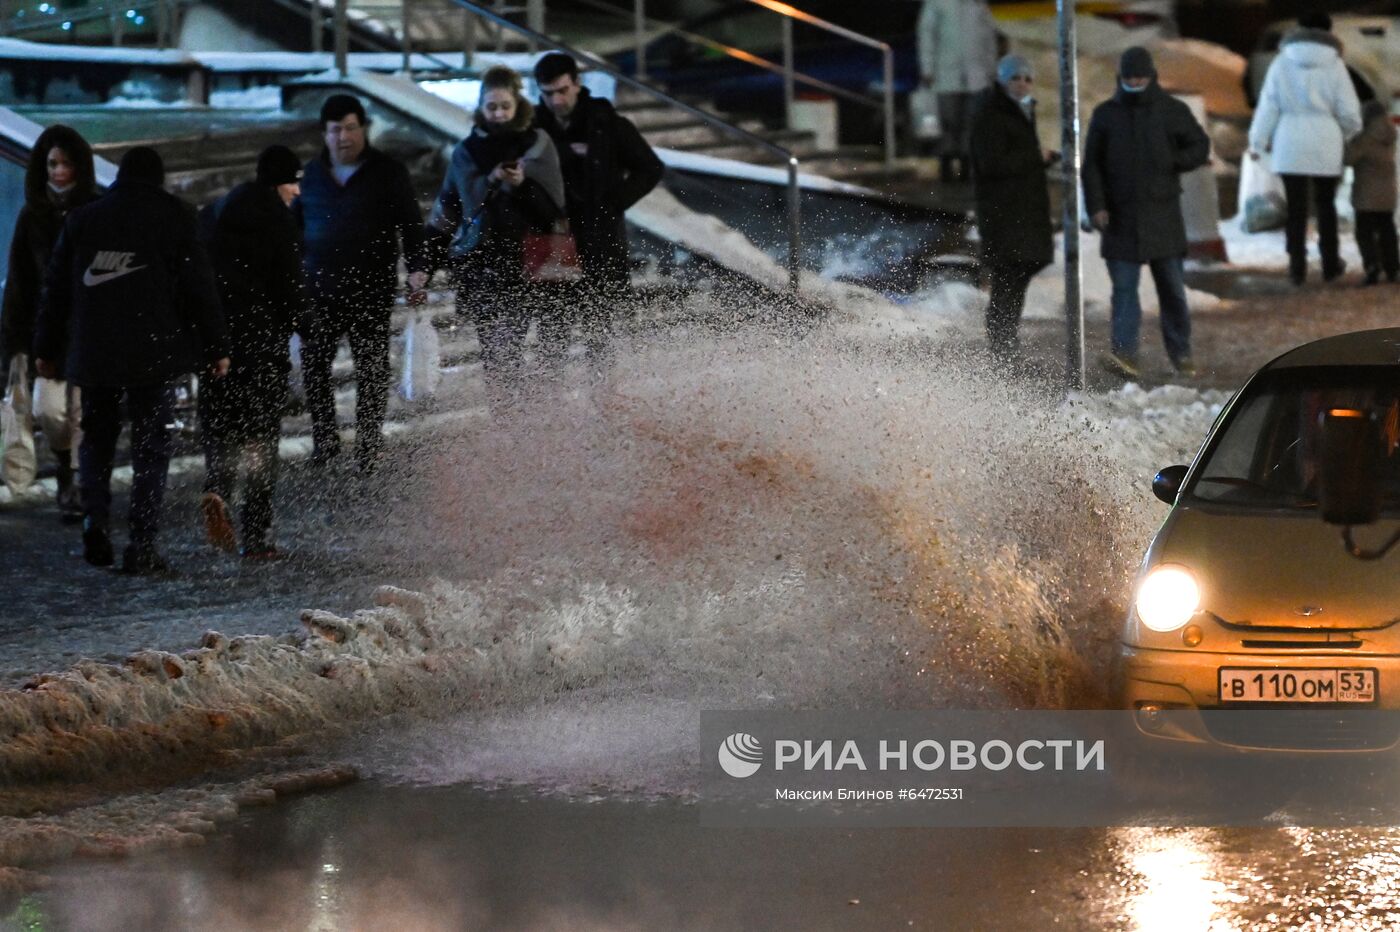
(1274, 582)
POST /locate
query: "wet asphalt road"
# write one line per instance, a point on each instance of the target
(371, 856)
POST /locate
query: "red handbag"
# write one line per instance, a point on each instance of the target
(552, 256)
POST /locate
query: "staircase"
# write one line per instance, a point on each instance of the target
(665, 127)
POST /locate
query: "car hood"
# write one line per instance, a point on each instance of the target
(1265, 571)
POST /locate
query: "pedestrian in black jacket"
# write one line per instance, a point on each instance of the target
(607, 167)
(58, 178)
(502, 184)
(1140, 142)
(129, 304)
(1013, 198)
(255, 246)
(358, 212)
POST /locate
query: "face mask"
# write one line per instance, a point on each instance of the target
(56, 189)
(1132, 90)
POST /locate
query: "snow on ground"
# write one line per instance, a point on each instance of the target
(1268, 251)
(962, 306)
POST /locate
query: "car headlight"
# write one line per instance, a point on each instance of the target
(1167, 598)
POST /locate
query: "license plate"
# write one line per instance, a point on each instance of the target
(1257, 684)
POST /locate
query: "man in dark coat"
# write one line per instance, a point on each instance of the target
(256, 248)
(129, 305)
(1139, 143)
(607, 167)
(1013, 199)
(358, 211)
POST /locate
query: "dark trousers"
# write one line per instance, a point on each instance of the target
(1324, 192)
(151, 410)
(502, 308)
(1009, 283)
(241, 420)
(1375, 237)
(368, 331)
(607, 284)
(955, 112)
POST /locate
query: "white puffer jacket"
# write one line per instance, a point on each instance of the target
(1308, 108)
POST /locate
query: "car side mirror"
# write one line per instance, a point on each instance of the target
(1167, 483)
(1347, 490)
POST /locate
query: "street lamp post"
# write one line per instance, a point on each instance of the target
(342, 37)
(1069, 146)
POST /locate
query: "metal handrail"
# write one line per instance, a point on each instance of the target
(794, 192)
(738, 54)
(12, 25)
(790, 13)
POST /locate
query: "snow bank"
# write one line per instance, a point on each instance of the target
(158, 707)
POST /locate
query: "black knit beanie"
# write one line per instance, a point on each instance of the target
(1136, 63)
(278, 165)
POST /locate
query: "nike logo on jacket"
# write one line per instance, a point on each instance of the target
(108, 265)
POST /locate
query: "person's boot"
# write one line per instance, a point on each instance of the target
(256, 547)
(1334, 270)
(70, 498)
(1297, 271)
(325, 448)
(142, 559)
(1120, 363)
(1373, 274)
(97, 546)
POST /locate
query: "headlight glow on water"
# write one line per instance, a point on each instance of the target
(1167, 598)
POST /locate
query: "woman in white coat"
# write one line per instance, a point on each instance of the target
(1307, 111)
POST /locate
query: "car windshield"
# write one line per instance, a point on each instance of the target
(1266, 454)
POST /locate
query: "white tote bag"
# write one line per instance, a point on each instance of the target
(18, 465)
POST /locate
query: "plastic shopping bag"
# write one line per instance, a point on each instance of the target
(1262, 205)
(923, 113)
(296, 388)
(422, 352)
(18, 465)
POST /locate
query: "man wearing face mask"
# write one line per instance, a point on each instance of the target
(1139, 144)
(255, 246)
(1013, 198)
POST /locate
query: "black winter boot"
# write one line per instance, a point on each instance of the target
(97, 546)
(70, 498)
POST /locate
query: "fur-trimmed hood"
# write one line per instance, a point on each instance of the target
(1309, 47)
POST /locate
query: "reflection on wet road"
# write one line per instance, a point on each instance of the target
(372, 856)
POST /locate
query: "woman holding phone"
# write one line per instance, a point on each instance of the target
(503, 183)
